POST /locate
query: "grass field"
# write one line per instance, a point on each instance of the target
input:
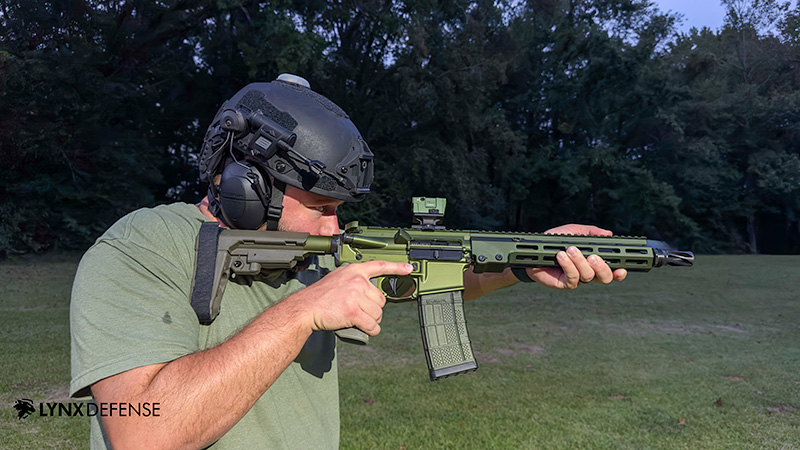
(707, 357)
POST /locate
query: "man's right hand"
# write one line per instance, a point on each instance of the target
(346, 298)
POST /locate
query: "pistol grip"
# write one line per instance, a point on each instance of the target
(352, 336)
(444, 335)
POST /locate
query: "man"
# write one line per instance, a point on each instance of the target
(263, 374)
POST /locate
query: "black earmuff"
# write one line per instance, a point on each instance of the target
(243, 196)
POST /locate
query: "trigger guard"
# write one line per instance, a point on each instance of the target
(407, 285)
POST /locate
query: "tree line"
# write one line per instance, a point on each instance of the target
(524, 114)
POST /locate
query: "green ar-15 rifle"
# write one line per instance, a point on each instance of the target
(439, 258)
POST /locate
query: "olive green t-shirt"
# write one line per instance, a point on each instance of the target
(131, 308)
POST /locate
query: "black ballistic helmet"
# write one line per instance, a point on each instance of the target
(285, 130)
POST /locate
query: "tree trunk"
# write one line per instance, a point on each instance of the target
(751, 233)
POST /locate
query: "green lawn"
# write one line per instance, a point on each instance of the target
(34, 324)
(706, 357)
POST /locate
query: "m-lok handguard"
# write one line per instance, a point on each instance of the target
(439, 258)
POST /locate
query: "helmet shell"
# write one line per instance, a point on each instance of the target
(324, 133)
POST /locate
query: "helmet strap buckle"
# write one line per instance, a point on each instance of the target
(275, 207)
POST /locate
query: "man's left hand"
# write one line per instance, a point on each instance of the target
(575, 268)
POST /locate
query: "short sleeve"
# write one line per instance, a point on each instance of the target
(130, 301)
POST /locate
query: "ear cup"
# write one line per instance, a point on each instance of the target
(243, 196)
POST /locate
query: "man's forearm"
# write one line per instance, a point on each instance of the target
(191, 389)
(479, 284)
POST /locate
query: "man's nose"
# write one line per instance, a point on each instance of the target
(329, 225)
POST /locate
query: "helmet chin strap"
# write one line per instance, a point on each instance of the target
(213, 204)
(275, 205)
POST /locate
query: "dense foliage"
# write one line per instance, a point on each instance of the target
(523, 114)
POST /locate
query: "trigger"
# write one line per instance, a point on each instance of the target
(393, 284)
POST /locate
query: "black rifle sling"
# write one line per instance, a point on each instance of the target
(203, 282)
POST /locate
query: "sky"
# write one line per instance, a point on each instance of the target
(696, 13)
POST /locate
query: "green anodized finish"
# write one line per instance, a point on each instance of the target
(439, 264)
(424, 205)
(494, 252)
(439, 258)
